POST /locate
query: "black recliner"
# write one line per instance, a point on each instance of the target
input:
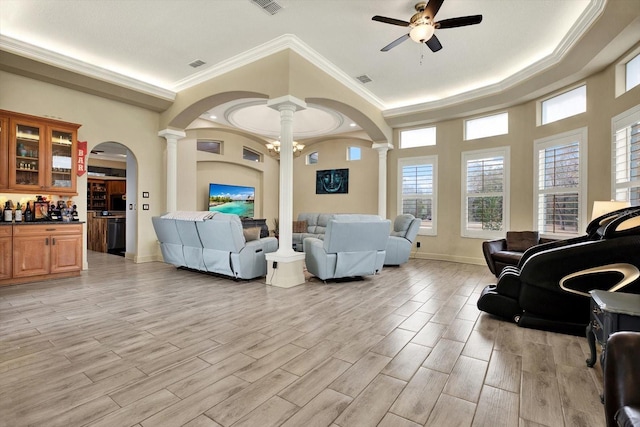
(549, 289)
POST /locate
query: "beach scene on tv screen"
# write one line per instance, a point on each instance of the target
(231, 199)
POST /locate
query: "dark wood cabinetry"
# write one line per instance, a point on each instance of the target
(96, 195)
(38, 154)
(100, 193)
(610, 312)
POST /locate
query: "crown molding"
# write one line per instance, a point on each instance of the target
(283, 42)
(30, 51)
(578, 29)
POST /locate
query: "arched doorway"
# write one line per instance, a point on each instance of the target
(112, 199)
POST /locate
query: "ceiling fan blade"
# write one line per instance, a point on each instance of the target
(459, 22)
(432, 8)
(394, 43)
(433, 43)
(390, 21)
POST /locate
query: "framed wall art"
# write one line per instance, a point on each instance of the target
(332, 181)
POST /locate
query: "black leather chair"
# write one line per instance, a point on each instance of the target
(501, 253)
(549, 289)
(621, 379)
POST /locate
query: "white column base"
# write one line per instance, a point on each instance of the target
(289, 272)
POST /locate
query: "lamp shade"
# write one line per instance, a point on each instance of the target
(601, 207)
(421, 33)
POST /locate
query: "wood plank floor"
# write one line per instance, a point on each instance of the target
(149, 345)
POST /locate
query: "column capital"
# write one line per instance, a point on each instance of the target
(382, 146)
(287, 102)
(172, 134)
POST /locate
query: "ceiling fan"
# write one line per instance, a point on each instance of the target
(423, 25)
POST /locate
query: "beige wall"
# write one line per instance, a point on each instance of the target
(226, 168)
(448, 244)
(137, 128)
(332, 154)
(102, 120)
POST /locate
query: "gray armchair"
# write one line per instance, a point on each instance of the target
(405, 230)
(350, 248)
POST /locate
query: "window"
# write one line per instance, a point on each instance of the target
(312, 158)
(417, 192)
(354, 153)
(252, 156)
(632, 73)
(626, 157)
(482, 127)
(560, 180)
(485, 192)
(209, 145)
(566, 104)
(418, 137)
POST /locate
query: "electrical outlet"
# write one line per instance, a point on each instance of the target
(275, 264)
(417, 244)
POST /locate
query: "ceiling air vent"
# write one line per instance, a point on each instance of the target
(268, 6)
(197, 63)
(364, 79)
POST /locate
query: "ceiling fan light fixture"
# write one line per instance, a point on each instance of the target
(421, 33)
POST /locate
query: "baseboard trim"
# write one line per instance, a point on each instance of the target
(450, 258)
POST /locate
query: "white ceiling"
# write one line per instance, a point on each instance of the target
(153, 41)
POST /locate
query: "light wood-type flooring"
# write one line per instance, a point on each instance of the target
(148, 345)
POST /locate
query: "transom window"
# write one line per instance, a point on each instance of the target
(560, 178)
(626, 156)
(252, 156)
(482, 127)
(209, 146)
(417, 192)
(418, 137)
(632, 73)
(312, 158)
(354, 153)
(565, 105)
(485, 192)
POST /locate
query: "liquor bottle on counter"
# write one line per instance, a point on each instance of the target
(28, 214)
(18, 213)
(74, 214)
(53, 215)
(8, 214)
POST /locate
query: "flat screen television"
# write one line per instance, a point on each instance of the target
(232, 199)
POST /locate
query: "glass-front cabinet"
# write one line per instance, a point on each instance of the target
(4, 149)
(41, 156)
(62, 156)
(25, 150)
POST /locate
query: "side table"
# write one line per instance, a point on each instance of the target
(610, 312)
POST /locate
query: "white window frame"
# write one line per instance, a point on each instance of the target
(425, 228)
(468, 126)
(505, 153)
(209, 141)
(430, 137)
(258, 155)
(541, 104)
(635, 62)
(622, 71)
(349, 153)
(620, 190)
(581, 137)
(307, 159)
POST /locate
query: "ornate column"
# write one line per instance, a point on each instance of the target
(285, 266)
(172, 136)
(382, 148)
